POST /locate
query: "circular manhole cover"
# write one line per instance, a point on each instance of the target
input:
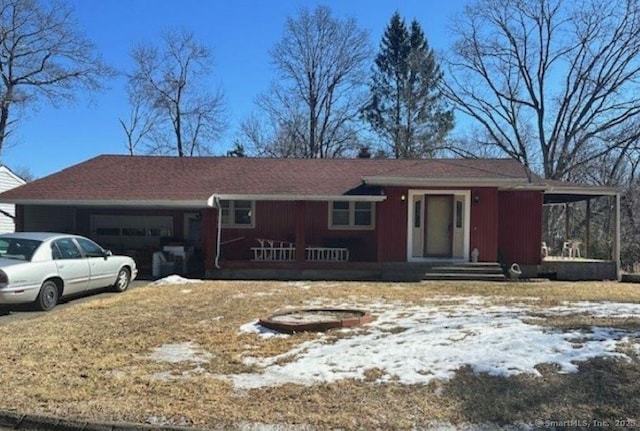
(316, 319)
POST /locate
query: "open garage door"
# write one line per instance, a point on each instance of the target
(129, 232)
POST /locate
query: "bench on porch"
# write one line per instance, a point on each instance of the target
(274, 251)
(282, 251)
(327, 254)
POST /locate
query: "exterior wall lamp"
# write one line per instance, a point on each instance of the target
(476, 198)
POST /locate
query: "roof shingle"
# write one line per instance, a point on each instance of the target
(156, 178)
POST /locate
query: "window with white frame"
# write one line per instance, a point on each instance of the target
(238, 213)
(351, 215)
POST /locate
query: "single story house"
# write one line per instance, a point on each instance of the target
(303, 218)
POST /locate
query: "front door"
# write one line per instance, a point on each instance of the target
(438, 225)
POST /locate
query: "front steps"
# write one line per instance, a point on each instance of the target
(482, 271)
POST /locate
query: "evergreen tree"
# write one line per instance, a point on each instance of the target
(406, 108)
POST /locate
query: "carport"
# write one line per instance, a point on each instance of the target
(586, 265)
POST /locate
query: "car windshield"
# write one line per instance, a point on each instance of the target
(18, 248)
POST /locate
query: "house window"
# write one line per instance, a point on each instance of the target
(351, 215)
(238, 213)
(458, 214)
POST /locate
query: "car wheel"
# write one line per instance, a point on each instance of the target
(122, 281)
(48, 296)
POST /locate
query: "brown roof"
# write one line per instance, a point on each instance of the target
(155, 178)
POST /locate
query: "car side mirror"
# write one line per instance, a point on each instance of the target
(107, 253)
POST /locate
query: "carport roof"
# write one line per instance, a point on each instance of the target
(120, 180)
(559, 192)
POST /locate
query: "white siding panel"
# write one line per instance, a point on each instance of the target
(8, 181)
(6, 223)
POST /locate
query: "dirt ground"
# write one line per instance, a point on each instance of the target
(93, 360)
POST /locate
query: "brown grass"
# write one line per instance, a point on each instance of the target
(90, 361)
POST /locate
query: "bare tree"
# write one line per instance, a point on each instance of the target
(25, 173)
(554, 83)
(140, 124)
(171, 84)
(42, 55)
(313, 104)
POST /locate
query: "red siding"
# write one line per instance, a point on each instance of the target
(391, 225)
(273, 220)
(484, 223)
(520, 234)
(209, 237)
(277, 220)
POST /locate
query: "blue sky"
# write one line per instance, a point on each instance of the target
(240, 32)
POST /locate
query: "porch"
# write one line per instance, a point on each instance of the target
(577, 269)
(360, 271)
(581, 233)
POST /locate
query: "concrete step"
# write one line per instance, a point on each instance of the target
(469, 269)
(464, 276)
(415, 271)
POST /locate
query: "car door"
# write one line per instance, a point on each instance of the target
(73, 268)
(102, 268)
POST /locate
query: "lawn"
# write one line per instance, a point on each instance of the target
(437, 353)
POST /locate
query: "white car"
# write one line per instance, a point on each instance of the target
(42, 267)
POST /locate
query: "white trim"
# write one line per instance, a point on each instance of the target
(577, 190)
(350, 198)
(466, 226)
(195, 204)
(190, 204)
(352, 214)
(232, 215)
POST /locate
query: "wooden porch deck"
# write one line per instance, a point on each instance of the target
(358, 271)
(577, 269)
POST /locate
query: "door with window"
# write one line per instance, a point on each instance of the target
(438, 229)
(102, 269)
(433, 226)
(72, 266)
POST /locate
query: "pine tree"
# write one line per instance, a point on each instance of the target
(406, 108)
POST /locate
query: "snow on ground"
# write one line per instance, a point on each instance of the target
(174, 279)
(419, 344)
(180, 352)
(255, 328)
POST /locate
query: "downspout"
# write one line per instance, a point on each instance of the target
(214, 201)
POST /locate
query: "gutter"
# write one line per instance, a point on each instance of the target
(286, 197)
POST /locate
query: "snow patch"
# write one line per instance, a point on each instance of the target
(420, 344)
(180, 352)
(174, 279)
(256, 328)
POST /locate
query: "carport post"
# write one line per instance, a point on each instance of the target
(616, 240)
(587, 239)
